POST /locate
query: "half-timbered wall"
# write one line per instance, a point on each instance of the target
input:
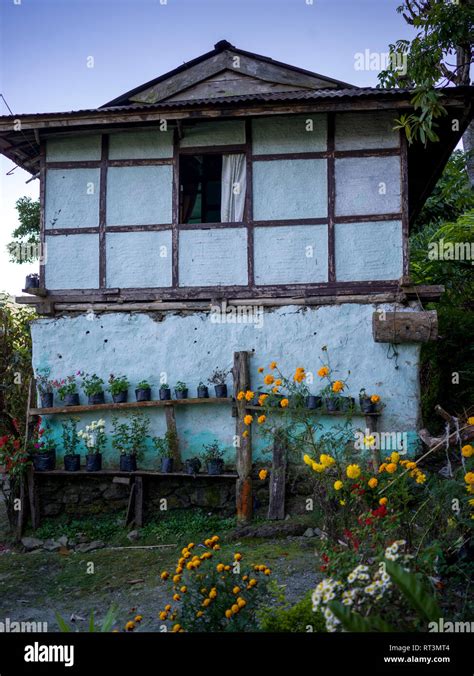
(323, 209)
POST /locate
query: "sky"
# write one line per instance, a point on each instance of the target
(46, 48)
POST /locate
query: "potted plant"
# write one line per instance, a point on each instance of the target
(93, 436)
(181, 390)
(72, 460)
(202, 391)
(313, 401)
(67, 390)
(129, 438)
(93, 389)
(44, 449)
(45, 387)
(32, 281)
(118, 388)
(164, 446)
(218, 378)
(143, 391)
(213, 457)
(165, 392)
(368, 402)
(192, 466)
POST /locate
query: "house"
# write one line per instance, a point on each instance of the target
(233, 204)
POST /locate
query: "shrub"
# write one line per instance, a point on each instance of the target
(296, 618)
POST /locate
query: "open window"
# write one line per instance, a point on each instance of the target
(212, 188)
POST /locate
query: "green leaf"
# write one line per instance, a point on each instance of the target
(352, 621)
(414, 591)
(109, 619)
(91, 622)
(63, 627)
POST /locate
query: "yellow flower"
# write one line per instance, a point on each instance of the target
(176, 628)
(206, 602)
(261, 419)
(383, 501)
(261, 369)
(337, 386)
(317, 467)
(168, 607)
(470, 488)
(391, 467)
(338, 485)
(220, 567)
(307, 460)
(228, 614)
(326, 460)
(323, 371)
(375, 398)
(470, 421)
(469, 478)
(262, 475)
(382, 467)
(249, 395)
(411, 465)
(164, 575)
(267, 571)
(467, 451)
(299, 376)
(284, 403)
(248, 419)
(471, 502)
(342, 502)
(177, 578)
(395, 457)
(278, 382)
(252, 582)
(216, 548)
(241, 396)
(420, 478)
(199, 613)
(138, 618)
(373, 482)
(130, 626)
(241, 602)
(261, 399)
(273, 365)
(353, 471)
(236, 590)
(237, 556)
(269, 379)
(176, 597)
(275, 390)
(235, 608)
(183, 589)
(163, 615)
(245, 434)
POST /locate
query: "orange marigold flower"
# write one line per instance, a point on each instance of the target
(467, 450)
(337, 386)
(375, 398)
(261, 399)
(245, 434)
(261, 369)
(269, 379)
(164, 575)
(130, 626)
(278, 381)
(248, 419)
(261, 419)
(323, 371)
(240, 396)
(249, 395)
(383, 501)
(228, 614)
(273, 365)
(163, 615)
(284, 403)
(237, 556)
(262, 475)
(275, 390)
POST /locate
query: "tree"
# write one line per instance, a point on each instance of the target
(439, 55)
(24, 246)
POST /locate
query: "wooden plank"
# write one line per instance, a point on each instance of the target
(371, 424)
(173, 432)
(331, 181)
(276, 507)
(42, 198)
(244, 500)
(405, 327)
(130, 514)
(33, 498)
(103, 211)
(138, 502)
(64, 410)
(405, 204)
(248, 207)
(121, 480)
(128, 476)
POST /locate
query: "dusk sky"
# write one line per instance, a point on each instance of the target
(46, 46)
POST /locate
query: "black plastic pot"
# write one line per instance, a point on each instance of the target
(221, 390)
(192, 465)
(72, 463)
(94, 462)
(71, 399)
(203, 392)
(31, 282)
(143, 394)
(44, 462)
(313, 401)
(181, 394)
(120, 397)
(47, 400)
(166, 465)
(332, 405)
(366, 406)
(215, 466)
(128, 463)
(346, 404)
(165, 393)
(98, 398)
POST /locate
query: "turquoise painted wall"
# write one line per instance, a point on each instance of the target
(367, 185)
(139, 195)
(358, 131)
(226, 132)
(138, 259)
(73, 149)
(189, 346)
(72, 198)
(72, 262)
(371, 250)
(289, 134)
(213, 257)
(285, 189)
(140, 145)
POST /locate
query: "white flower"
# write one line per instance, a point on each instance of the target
(351, 577)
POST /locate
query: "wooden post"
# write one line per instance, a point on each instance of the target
(33, 497)
(241, 377)
(276, 507)
(173, 432)
(371, 424)
(131, 504)
(139, 501)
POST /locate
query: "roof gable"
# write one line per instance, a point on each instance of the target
(242, 72)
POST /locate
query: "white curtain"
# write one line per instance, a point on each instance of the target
(234, 183)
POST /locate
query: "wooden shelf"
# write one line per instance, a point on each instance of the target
(87, 408)
(140, 473)
(278, 409)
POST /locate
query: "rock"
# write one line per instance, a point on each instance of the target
(133, 535)
(309, 533)
(51, 545)
(270, 530)
(81, 538)
(31, 543)
(63, 540)
(89, 546)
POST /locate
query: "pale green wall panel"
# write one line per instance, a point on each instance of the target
(284, 189)
(367, 185)
(368, 251)
(73, 148)
(359, 131)
(289, 134)
(139, 195)
(138, 259)
(215, 257)
(227, 132)
(72, 262)
(146, 144)
(72, 198)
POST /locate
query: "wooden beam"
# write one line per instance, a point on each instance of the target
(138, 502)
(244, 498)
(173, 434)
(405, 327)
(276, 507)
(167, 405)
